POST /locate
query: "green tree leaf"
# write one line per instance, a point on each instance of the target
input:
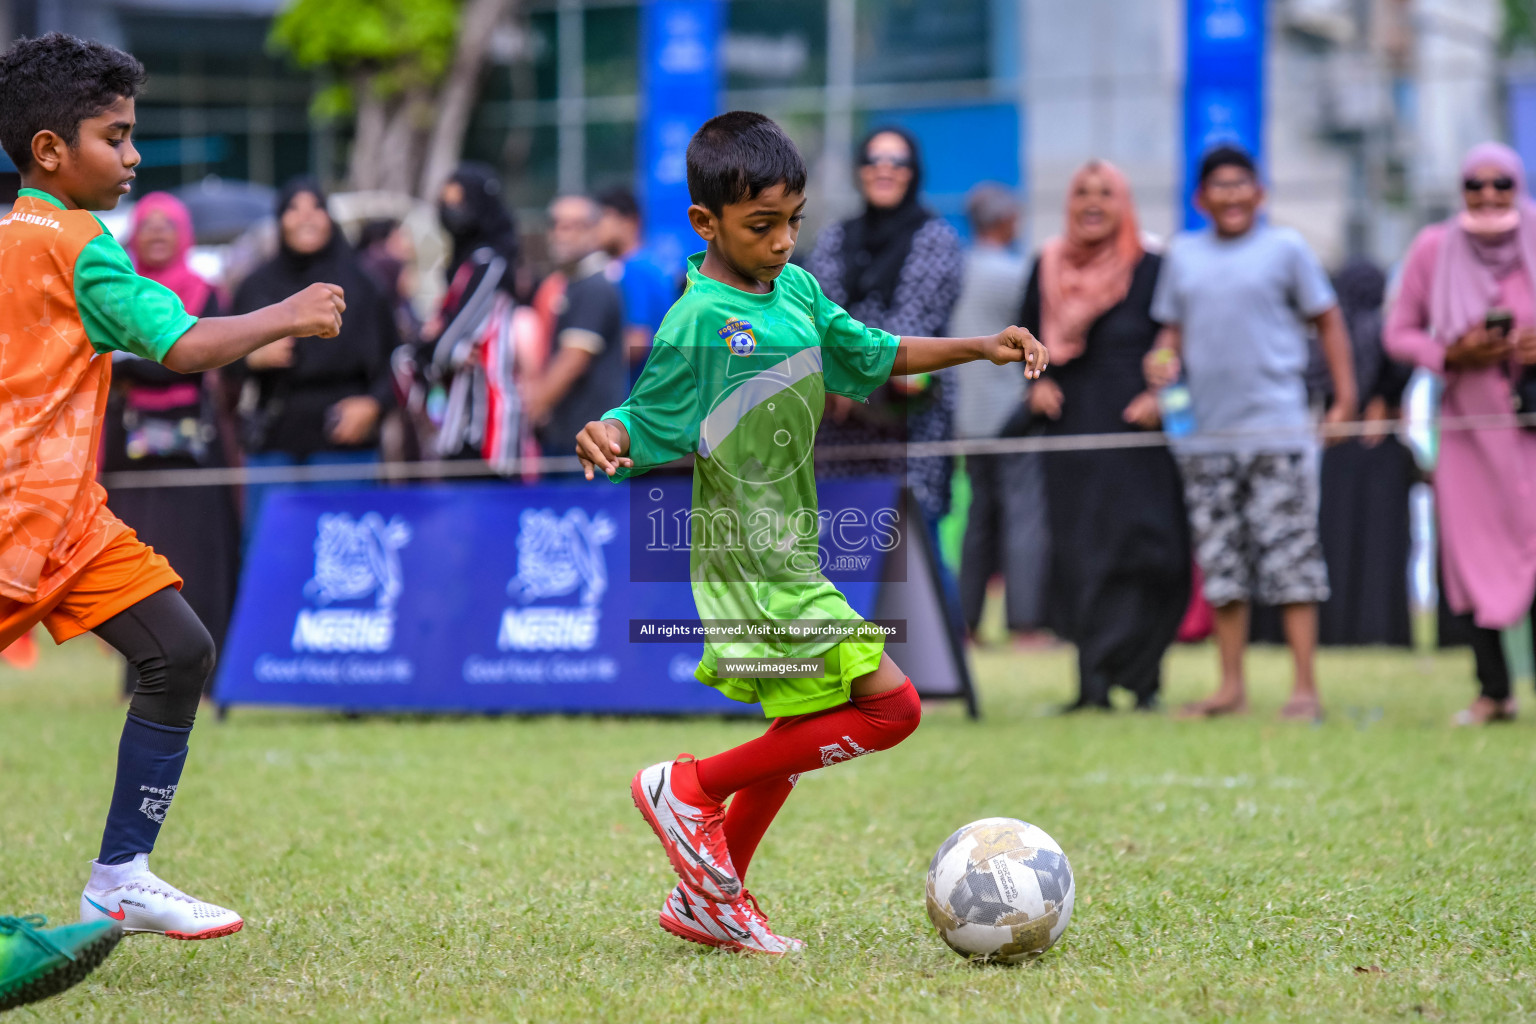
(1519, 25)
(411, 39)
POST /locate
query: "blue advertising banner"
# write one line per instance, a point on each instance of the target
(1223, 85)
(680, 82)
(500, 597)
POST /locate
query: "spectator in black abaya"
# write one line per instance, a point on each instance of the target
(1363, 513)
(1363, 507)
(384, 253)
(314, 405)
(484, 234)
(897, 266)
(468, 362)
(1120, 562)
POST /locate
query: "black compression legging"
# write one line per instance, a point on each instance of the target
(171, 651)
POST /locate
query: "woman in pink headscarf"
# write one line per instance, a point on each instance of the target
(160, 419)
(160, 240)
(1457, 272)
(1120, 558)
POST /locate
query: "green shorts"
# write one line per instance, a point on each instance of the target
(781, 697)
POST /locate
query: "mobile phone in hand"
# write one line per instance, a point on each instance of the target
(1499, 322)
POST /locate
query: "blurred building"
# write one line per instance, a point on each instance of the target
(1368, 103)
(217, 103)
(826, 69)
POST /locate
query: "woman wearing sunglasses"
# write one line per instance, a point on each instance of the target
(1466, 309)
(896, 266)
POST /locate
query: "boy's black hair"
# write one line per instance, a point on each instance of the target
(620, 200)
(737, 156)
(53, 83)
(1227, 155)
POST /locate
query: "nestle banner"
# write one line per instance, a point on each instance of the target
(501, 597)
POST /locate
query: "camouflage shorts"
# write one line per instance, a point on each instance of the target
(1254, 523)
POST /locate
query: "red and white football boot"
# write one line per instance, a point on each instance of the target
(694, 837)
(740, 927)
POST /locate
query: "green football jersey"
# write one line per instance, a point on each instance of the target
(739, 380)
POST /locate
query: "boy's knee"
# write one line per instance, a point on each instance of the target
(171, 685)
(909, 714)
(895, 714)
(189, 666)
(190, 660)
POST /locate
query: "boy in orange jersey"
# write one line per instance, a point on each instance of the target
(69, 298)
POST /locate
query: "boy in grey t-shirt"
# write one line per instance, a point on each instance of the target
(1235, 300)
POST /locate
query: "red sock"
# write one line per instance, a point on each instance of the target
(804, 743)
(751, 811)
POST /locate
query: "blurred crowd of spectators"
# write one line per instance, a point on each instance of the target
(1117, 549)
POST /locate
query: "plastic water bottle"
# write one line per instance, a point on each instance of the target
(1174, 402)
(1177, 409)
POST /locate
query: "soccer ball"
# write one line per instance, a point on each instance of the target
(1000, 889)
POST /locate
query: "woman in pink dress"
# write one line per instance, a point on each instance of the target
(1456, 272)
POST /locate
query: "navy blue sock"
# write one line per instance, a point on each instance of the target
(149, 761)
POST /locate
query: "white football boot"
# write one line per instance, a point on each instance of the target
(141, 901)
(739, 927)
(694, 837)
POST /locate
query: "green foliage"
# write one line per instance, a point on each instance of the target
(403, 41)
(333, 101)
(1519, 25)
(462, 869)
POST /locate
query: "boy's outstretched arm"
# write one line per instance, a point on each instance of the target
(217, 341)
(1010, 345)
(603, 444)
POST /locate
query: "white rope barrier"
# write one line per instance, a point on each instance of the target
(389, 472)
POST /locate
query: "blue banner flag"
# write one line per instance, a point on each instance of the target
(1223, 85)
(680, 83)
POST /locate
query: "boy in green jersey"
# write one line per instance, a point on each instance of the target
(738, 376)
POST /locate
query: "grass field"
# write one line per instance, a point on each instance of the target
(478, 870)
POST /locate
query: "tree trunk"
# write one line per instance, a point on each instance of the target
(477, 21)
(397, 155)
(410, 143)
(364, 166)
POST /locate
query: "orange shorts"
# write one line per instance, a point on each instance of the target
(125, 573)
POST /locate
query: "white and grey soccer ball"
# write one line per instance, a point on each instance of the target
(1000, 889)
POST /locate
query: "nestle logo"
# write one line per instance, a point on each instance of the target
(548, 629)
(344, 630)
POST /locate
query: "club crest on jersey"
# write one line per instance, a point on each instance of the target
(738, 335)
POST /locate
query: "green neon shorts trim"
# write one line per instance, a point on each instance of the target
(782, 698)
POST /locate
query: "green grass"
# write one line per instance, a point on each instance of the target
(480, 870)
